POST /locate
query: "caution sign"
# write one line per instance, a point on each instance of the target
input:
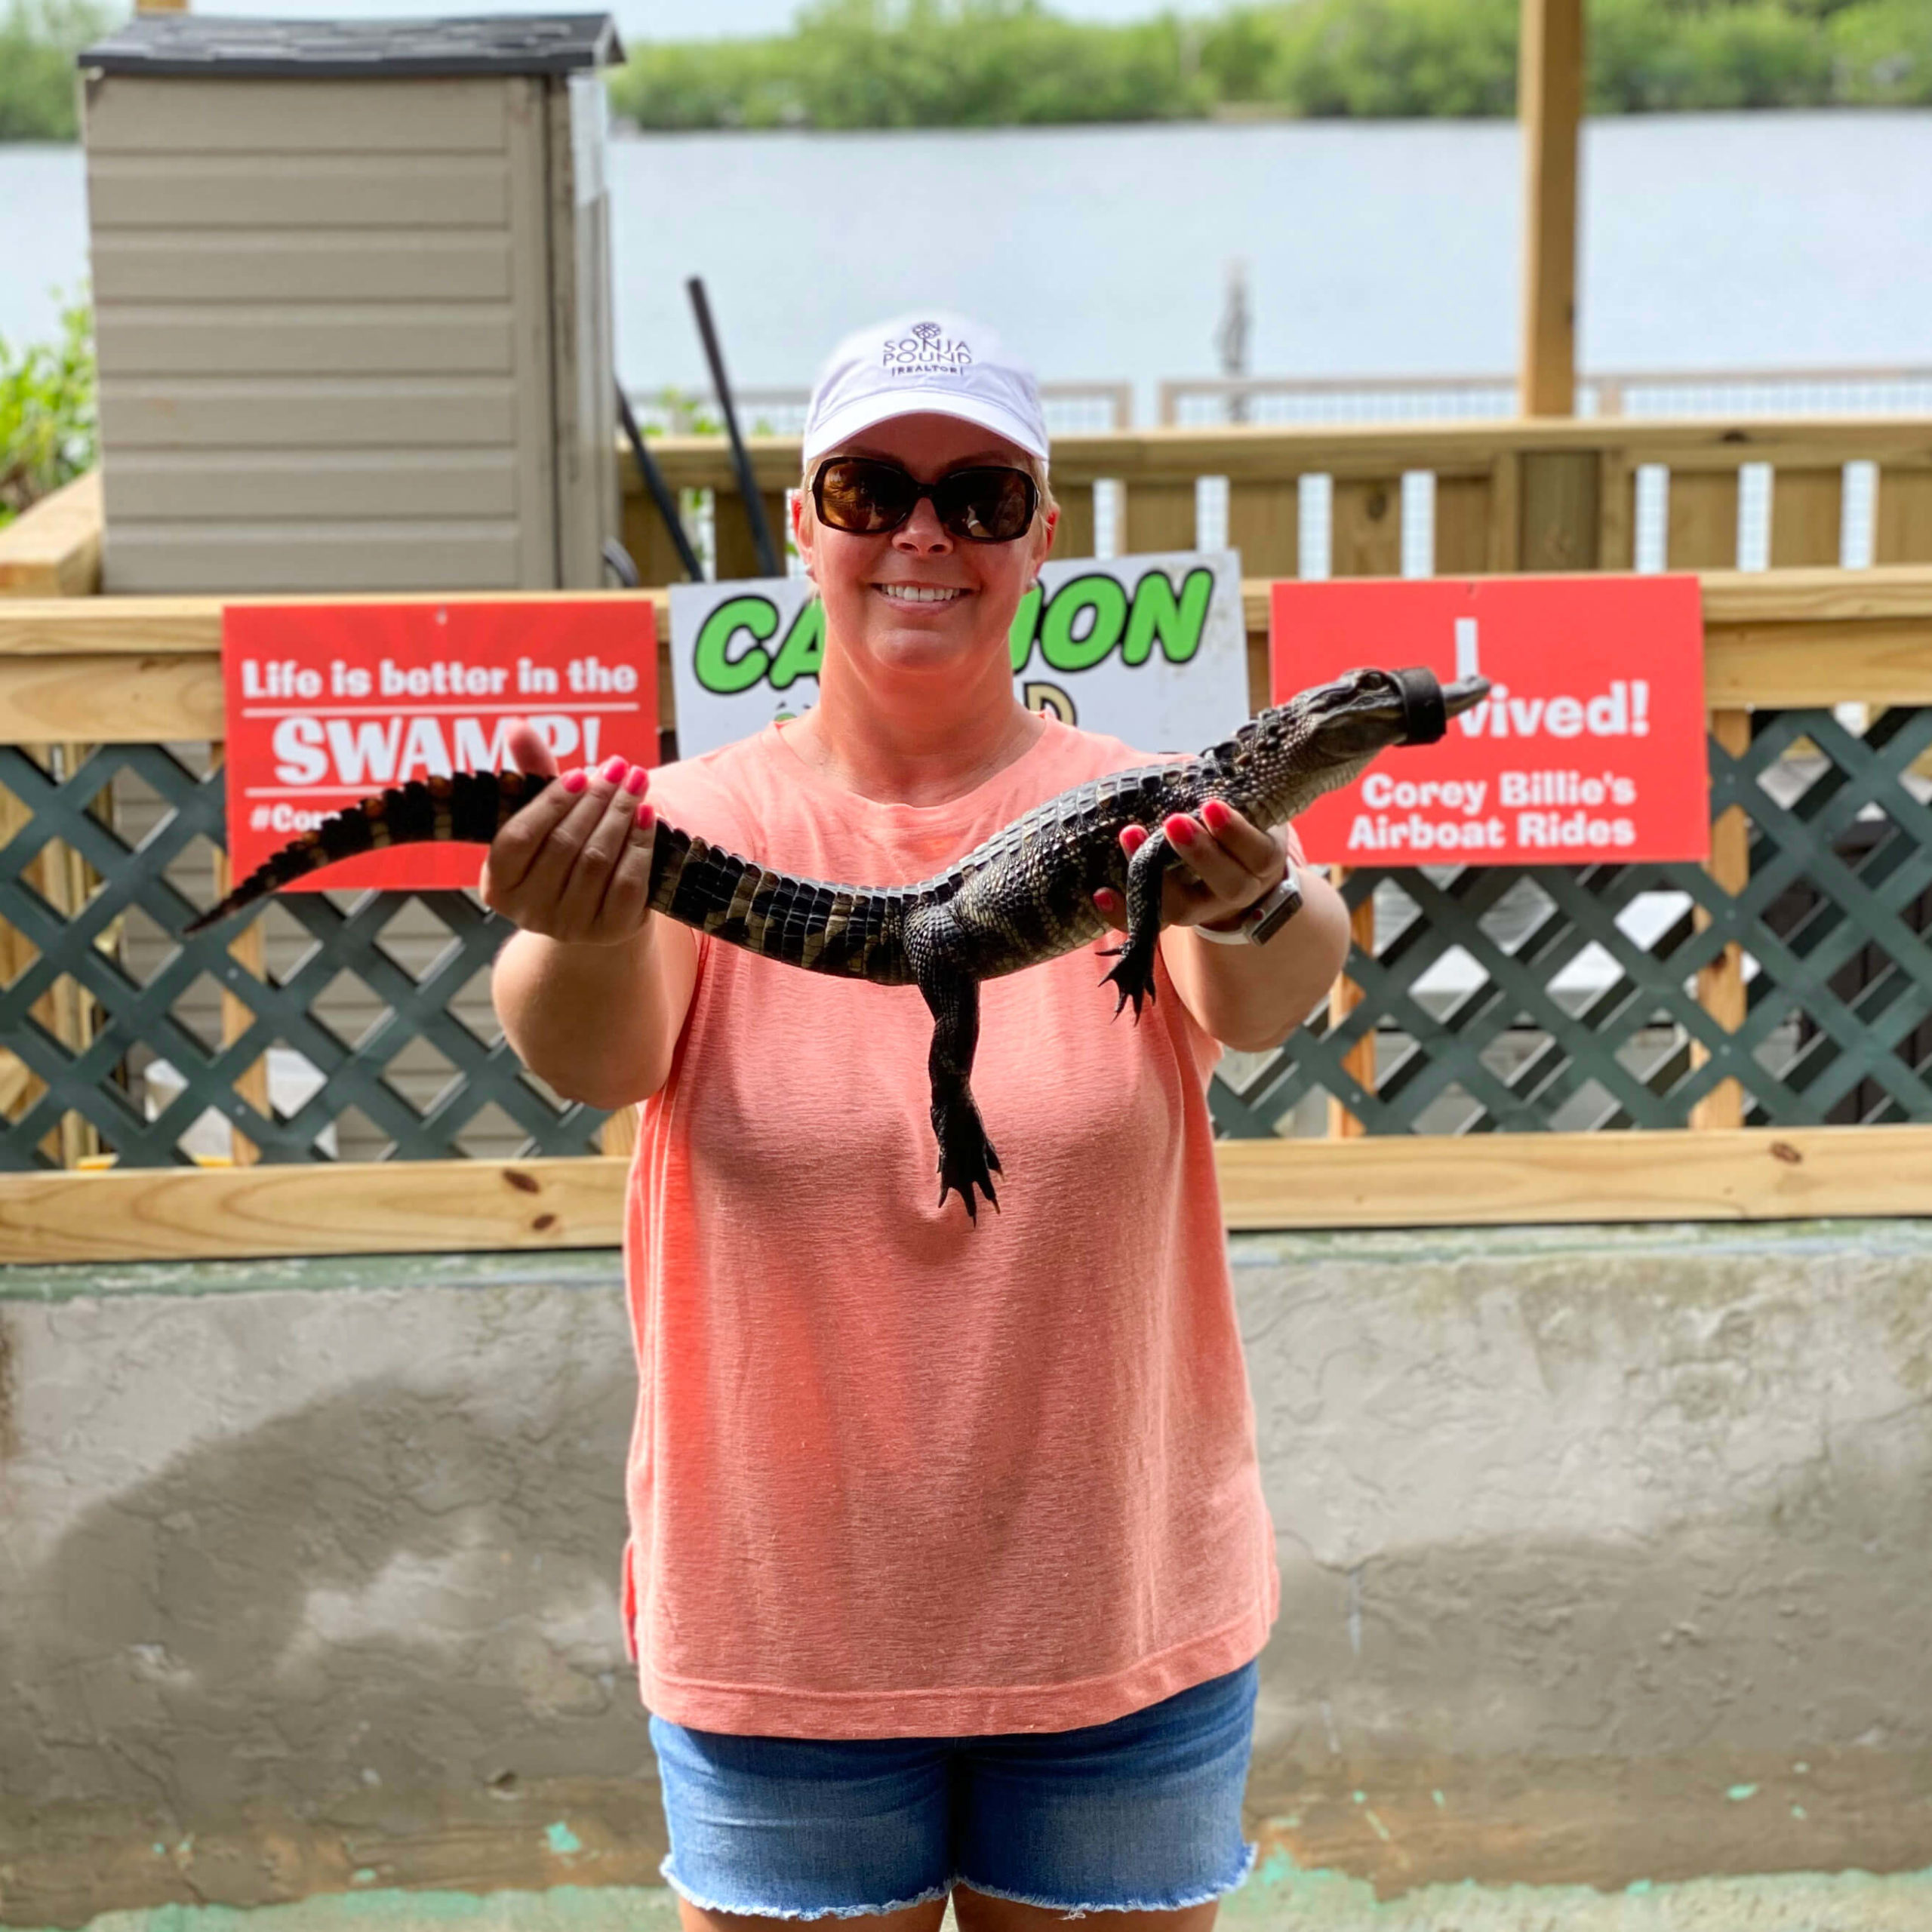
(1590, 746)
(328, 702)
(1151, 650)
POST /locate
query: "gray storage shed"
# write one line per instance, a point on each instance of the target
(352, 299)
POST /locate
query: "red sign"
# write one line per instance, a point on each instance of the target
(1590, 746)
(328, 702)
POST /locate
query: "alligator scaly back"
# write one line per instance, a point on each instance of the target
(853, 931)
(846, 930)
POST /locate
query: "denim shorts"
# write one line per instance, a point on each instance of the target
(1140, 1814)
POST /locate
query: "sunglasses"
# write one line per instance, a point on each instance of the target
(867, 497)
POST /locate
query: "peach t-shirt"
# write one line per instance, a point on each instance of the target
(893, 1475)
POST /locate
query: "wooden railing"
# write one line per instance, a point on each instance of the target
(1282, 400)
(1506, 496)
(1093, 406)
(53, 550)
(121, 674)
(92, 676)
(147, 670)
(1279, 400)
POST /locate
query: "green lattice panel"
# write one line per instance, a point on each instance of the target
(1841, 879)
(1501, 1000)
(136, 1013)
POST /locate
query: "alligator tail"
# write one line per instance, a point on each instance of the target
(844, 930)
(833, 929)
(470, 808)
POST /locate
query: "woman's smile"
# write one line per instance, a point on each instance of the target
(921, 593)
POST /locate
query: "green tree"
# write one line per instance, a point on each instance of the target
(1391, 59)
(711, 84)
(1881, 53)
(884, 63)
(48, 429)
(921, 63)
(38, 86)
(1649, 57)
(983, 63)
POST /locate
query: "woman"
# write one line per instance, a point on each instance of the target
(949, 1562)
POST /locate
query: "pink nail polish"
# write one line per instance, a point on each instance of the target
(575, 781)
(634, 779)
(614, 770)
(1179, 829)
(645, 816)
(1216, 814)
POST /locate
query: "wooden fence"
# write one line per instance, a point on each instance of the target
(1505, 496)
(1736, 1016)
(127, 679)
(1278, 400)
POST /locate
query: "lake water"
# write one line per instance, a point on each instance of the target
(1708, 241)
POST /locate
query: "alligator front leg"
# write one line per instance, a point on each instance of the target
(1134, 975)
(966, 1156)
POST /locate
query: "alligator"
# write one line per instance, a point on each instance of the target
(1024, 896)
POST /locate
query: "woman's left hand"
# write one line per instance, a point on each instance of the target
(1227, 863)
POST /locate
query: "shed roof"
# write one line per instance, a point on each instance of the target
(211, 44)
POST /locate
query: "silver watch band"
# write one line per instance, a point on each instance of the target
(1265, 918)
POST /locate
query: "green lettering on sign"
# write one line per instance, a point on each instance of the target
(1177, 623)
(803, 650)
(717, 670)
(1101, 595)
(1025, 623)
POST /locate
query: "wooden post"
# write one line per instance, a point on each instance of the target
(60, 874)
(1343, 999)
(237, 1015)
(1721, 984)
(618, 1135)
(1550, 102)
(1562, 514)
(67, 887)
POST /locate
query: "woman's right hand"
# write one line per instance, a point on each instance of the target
(574, 864)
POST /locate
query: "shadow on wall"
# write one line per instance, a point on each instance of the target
(384, 1589)
(387, 1579)
(1734, 1694)
(388, 1610)
(1802, 1614)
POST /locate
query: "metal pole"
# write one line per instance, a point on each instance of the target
(660, 490)
(768, 551)
(1231, 338)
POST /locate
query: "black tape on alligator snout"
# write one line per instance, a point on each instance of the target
(1425, 716)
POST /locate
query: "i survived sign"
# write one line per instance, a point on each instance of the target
(1590, 746)
(328, 702)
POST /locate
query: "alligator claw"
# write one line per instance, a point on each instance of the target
(1134, 975)
(966, 1157)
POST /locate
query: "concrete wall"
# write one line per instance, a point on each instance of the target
(1606, 1557)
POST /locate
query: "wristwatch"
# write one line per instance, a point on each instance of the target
(1265, 918)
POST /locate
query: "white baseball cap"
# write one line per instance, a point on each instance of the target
(925, 360)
